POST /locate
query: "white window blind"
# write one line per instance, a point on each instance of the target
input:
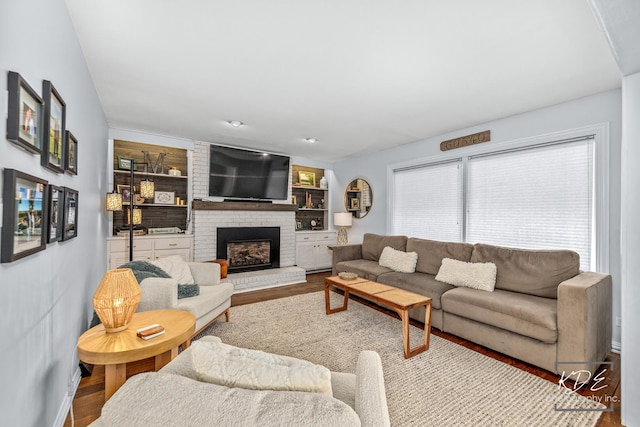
(539, 197)
(427, 201)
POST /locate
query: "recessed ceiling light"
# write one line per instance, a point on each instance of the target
(235, 123)
(312, 140)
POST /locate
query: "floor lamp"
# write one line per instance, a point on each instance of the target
(114, 203)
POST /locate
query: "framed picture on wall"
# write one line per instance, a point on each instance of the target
(307, 178)
(24, 228)
(70, 214)
(53, 128)
(54, 213)
(71, 154)
(24, 118)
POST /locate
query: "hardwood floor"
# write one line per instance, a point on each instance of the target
(89, 397)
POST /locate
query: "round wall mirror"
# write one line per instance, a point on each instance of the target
(358, 198)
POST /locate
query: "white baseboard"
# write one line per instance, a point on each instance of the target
(68, 399)
(616, 347)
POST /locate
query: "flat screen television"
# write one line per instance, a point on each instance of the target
(244, 174)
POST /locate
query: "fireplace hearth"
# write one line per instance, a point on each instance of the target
(249, 248)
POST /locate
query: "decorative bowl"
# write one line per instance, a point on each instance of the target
(344, 275)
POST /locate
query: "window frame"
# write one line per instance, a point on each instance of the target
(601, 202)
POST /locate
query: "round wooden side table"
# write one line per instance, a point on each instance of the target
(115, 350)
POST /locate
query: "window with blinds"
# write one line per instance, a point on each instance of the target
(537, 197)
(427, 201)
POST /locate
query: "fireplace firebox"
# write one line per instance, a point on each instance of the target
(249, 248)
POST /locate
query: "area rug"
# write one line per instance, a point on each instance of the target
(448, 385)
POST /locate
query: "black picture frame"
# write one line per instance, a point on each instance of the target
(70, 214)
(71, 154)
(55, 213)
(24, 232)
(25, 115)
(54, 122)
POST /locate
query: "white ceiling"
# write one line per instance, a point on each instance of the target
(358, 75)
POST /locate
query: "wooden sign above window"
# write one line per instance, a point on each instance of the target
(464, 141)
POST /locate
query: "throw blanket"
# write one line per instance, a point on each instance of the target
(143, 270)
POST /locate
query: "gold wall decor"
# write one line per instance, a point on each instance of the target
(464, 141)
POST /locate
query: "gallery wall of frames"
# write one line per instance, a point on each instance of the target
(36, 212)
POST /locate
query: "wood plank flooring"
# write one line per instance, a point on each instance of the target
(89, 397)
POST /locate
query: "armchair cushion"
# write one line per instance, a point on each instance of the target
(224, 364)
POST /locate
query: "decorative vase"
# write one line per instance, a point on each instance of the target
(323, 182)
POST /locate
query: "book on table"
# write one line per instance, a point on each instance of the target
(150, 331)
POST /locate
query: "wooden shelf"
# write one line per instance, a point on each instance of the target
(201, 205)
(158, 205)
(306, 187)
(162, 175)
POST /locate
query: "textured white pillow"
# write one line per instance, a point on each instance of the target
(474, 275)
(177, 268)
(231, 366)
(404, 262)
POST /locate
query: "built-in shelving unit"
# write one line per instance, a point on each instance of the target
(154, 215)
(311, 200)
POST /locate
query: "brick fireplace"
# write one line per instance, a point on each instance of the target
(249, 248)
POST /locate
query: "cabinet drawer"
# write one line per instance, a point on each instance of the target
(123, 245)
(304, 237)
(326, 237)
(172, 244)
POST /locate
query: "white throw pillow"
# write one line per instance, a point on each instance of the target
(404, 262)
(177, 268)
(231, 366)
(474, 275)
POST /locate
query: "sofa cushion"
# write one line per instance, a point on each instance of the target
(474, 275)
(231, 366)
(419, 283)
(404, 262)
(364, 268)
(210, 297)
(527, 315)
(176, 267)
(533, 272)
(373, 244)
(156, 399)
(431, 253)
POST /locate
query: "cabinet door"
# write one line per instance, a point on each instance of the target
(324, 256)
(119, 258)
(305, 255)
(184, 253)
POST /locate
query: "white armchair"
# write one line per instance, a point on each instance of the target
(214, 299)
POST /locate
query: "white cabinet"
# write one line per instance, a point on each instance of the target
(149, 248)
(312, 249)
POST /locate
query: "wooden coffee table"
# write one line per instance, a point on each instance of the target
(115, 350)
(400, 300)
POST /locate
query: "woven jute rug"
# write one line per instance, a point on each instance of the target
(448, 385)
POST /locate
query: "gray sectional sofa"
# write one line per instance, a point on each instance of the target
(543, 310)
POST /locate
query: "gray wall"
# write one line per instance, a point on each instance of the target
(600, 108)
(46, 297)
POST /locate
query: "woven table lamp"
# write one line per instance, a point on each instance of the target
(116, 299)
(342, 220)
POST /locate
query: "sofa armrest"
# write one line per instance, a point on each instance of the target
(584, 321)
(345, 253)
(158, 294)
(205, 273)
(371, 398)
